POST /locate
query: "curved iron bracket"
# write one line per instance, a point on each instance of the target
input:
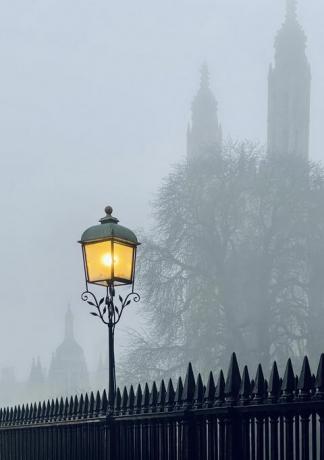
(105, 308)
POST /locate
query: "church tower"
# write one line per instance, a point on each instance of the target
(289, 90)
(68, 372)
(204, 134)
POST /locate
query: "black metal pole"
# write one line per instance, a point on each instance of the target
(111, 348)
(112, 378)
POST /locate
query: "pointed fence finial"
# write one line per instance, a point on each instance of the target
(210, 391)
(245, 388)
(288, 383)
(319, 382)
(233, 380)
(220, 389)
(274, 383)
(118, 398)
(199, 392)
(169, 400)
(91, 404)
(188, 387)
(161, 396)
(178, 394)
(131, 400)
(146, 398)
(104, 403)
(153, 397)
(138, 399)
(124, 401)
(258, 389)
(305, 381)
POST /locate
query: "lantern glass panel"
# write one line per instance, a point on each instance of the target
(99, 261)
(123, 262)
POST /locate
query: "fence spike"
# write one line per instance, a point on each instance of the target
(117, 401)
(305, 381)
(75, 406)
(188, 387)
(319, 380)
(36, 411)
(138, 398)
(146, 398)
(178, 393)
(7, 414)
(169, 400)
(80, 407)
(15, 414)
(39, 411)
(48, 410)
(124, 400)
(66, 408)
(43, 413)
(131, 400)
(220, 388)
(27, 410)
(233, 381)
(98, 403)
(31, 411)
(245, 388)
(86, 406)
(153, 397)
(258, 389)
(210, 390)
(70, 413)
(1, 415)
(288, 383)
(11, 415)
(199, 392)
(104, 403)
(91, 404)
(31, 416)
(161, 396)
(18, 413)
(274, 383)
(61, 408)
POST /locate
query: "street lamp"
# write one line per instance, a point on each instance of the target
(109, 257)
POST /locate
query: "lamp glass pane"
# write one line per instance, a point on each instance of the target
(123, 261)
(99, 261)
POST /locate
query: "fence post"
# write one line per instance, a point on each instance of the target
(233, 436)
(188, 435)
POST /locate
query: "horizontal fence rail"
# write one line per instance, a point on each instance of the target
(278, 419)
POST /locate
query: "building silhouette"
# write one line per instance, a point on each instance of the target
(204, 135)
(68, 372)
(289, 90)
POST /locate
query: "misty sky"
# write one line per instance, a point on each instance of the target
(94, 101)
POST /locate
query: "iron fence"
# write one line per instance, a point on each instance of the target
(234, 419)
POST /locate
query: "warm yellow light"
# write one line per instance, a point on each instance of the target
(107, 260)
(102, 268)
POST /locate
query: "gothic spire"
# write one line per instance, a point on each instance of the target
(204, 135)
(291, 9)
(69, 334)
(204, 76)
(289, 90)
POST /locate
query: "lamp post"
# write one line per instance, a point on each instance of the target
(109, 257)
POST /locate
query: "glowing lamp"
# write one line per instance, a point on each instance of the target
(109, 252)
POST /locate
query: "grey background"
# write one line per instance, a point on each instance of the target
(94, 102)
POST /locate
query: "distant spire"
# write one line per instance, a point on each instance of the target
(204, 76)
(291, 12)
(69, 324)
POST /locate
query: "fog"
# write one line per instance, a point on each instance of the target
(95, 98)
